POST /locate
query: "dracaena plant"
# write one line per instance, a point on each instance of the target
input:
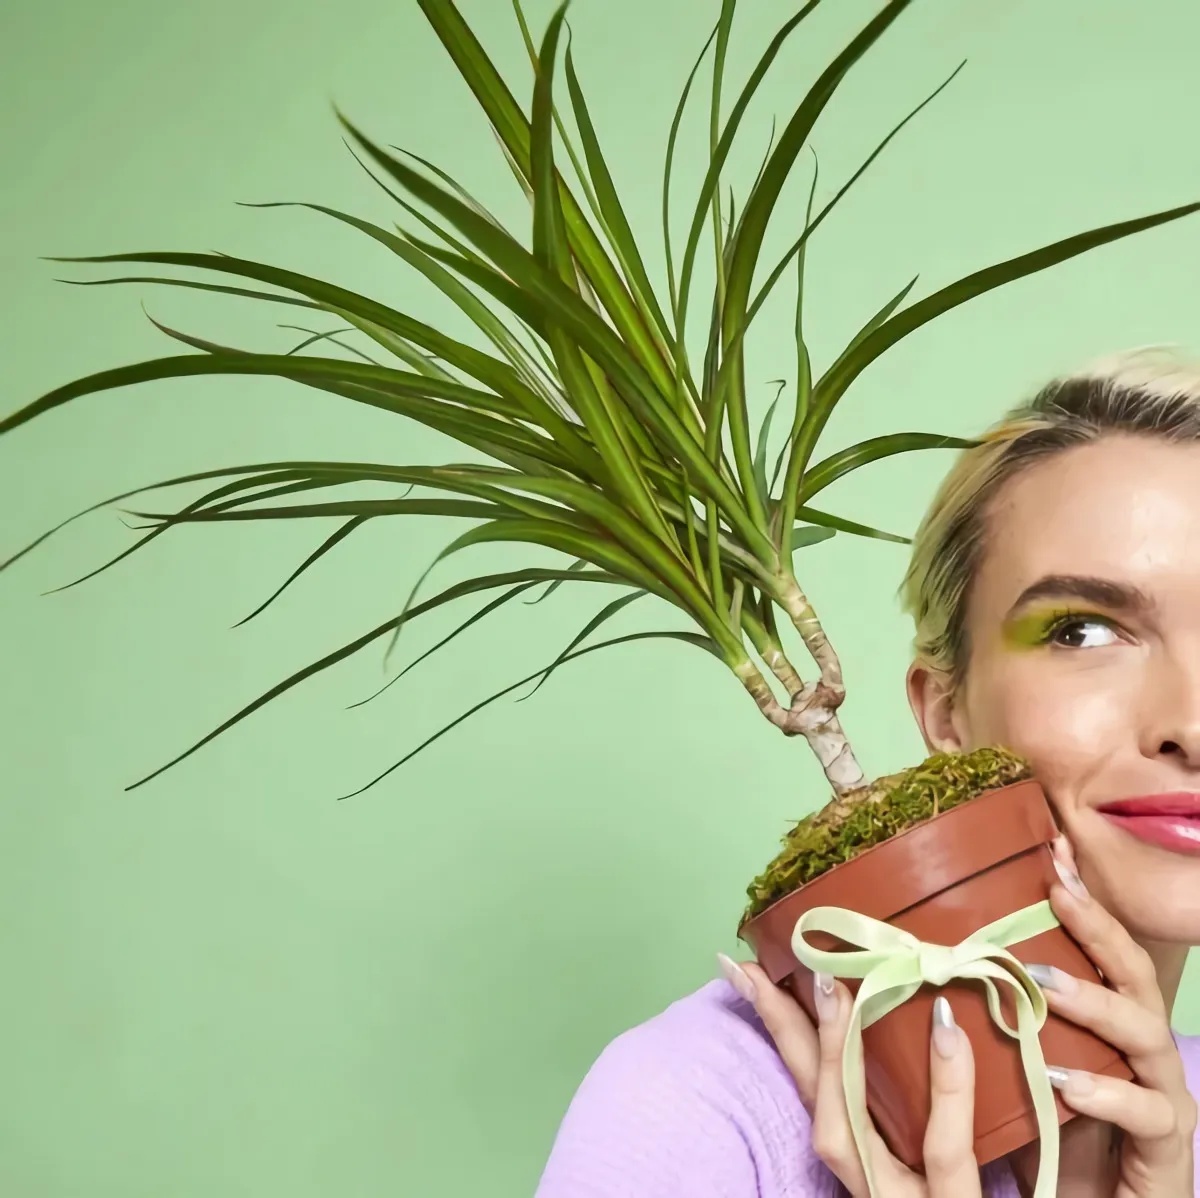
(603, 435)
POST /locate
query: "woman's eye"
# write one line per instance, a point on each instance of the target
(1083, 634)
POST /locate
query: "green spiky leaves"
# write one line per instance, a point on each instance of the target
(591, 429)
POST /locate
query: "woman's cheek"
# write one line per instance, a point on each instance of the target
(1067, 723)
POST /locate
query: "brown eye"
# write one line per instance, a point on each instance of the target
(1083, 633)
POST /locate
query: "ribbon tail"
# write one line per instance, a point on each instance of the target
(854, 1085)
(1042, 1094)
(882, 990)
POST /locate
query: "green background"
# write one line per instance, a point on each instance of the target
(227, 983)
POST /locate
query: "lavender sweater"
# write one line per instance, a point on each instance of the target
(695, 1103)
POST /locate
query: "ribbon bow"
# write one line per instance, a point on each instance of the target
(894, 965)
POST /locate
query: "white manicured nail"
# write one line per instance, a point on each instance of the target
(737, 977)
(1073, 1080)
(825, 996)
(1070, 879)
(1048, 977)
(945, 1030)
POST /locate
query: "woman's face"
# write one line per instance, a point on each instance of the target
(1084, 627)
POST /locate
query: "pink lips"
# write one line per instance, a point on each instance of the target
(1170, 821)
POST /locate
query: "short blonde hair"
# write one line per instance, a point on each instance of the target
(1152, 391)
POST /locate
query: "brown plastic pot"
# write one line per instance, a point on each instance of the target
(940, 881)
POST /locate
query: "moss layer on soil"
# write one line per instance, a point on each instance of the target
(874, 813)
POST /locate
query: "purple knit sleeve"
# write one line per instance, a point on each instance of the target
(695, 1102)
(638, 1129)
(1189, 1050)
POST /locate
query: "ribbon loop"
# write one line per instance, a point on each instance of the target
(893, 965)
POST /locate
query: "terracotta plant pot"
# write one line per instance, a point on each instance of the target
(940, 881)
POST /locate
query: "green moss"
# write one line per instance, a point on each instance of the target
(875, 813)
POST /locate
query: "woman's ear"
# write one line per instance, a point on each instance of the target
(931, 697)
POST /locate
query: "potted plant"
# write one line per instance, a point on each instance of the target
(598, 428)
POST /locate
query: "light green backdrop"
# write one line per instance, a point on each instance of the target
(228, 984)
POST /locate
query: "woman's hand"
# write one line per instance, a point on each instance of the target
(814, 1058)
(1156, 1113)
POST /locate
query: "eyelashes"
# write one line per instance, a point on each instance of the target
(1064, 628)
(1067, 629)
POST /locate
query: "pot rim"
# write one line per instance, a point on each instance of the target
(969, 805)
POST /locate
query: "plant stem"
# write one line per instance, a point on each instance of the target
(804, 619)
(810, 715)
(760, 626)
(817, 721)
(813, 708)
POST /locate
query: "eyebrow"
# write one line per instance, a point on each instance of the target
(1117, 596)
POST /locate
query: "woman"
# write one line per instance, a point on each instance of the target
(1055, 588)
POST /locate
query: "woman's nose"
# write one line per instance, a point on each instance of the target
(1174, 728)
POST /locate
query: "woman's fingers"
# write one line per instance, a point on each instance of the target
(1122, 961)
(1143, 1037)
(1157, 1113)
(1064, 853)
(832, 1137)
(791, 1029)
(814, 1058)
(1129, 1013)
(949, 1150)
(1149, 1116)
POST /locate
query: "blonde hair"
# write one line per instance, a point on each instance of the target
(1152, 391)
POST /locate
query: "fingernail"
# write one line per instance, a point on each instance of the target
(1070, 879)
(824, 996)
(1073, 1079)
(737, 977)
(945, 1030)
(1048, 977)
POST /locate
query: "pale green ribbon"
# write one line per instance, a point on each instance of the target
(893, 965)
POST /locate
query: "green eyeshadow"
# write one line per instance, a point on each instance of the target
(1029, 630)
